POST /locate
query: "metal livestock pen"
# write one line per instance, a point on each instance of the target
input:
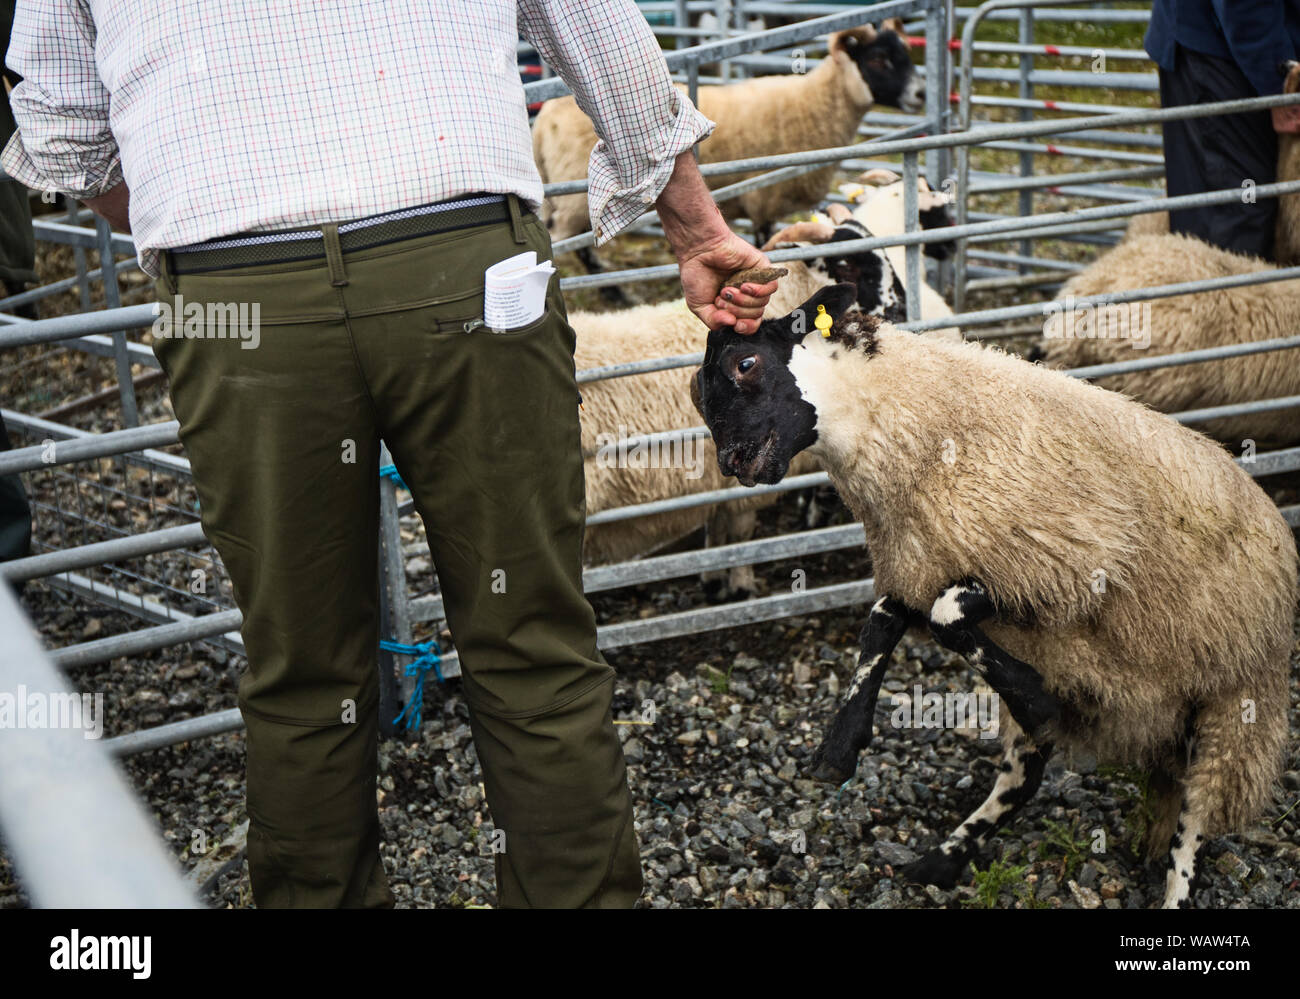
(104, 535)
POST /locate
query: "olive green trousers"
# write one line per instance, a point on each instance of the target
(284, 442)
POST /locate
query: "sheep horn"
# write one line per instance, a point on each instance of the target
(879, 177)
(755, 275)
(838, 213)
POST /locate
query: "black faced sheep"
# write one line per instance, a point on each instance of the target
(617, 409)
(1121, 583)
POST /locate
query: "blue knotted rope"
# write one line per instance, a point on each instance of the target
(390, 472)
(427, 657)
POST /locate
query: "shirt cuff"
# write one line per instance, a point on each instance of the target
(88, 181)
(614, 206)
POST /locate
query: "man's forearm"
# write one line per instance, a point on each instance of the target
(690, 216)
(709, 252)
(113, 206)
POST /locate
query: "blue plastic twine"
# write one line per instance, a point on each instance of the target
(427, 657)
(390, 472)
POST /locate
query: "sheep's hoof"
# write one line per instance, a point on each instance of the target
(715, 590)
(832, 772)
(935, 868)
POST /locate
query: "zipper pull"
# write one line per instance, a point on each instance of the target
(474, 324)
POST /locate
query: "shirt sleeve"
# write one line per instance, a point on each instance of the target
(610, 59)
(1256, 34)
(63, 142)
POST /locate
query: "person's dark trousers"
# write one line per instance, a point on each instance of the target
(17, 260)
(17, 243)
(284, 444)
(15, 514)
(1217, 152)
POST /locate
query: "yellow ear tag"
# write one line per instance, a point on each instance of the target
(823, 322)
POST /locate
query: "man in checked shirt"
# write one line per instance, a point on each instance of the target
(233, 125)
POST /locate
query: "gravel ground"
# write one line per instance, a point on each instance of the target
(724, 813)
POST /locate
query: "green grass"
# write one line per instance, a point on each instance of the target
(1065, 845)
(720, 681)
(999, 876)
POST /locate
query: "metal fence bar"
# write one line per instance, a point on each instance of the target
(71, 822)
(87, 556)
(113, 300)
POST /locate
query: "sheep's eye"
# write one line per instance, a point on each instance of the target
(746, 365)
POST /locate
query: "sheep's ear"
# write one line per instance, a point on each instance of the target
(894, 24)
(852, 38)
(812, 232)
(695, 391)
(838, 299)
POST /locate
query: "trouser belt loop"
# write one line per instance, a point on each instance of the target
(166, 273)
(334, 255)
(516, 219)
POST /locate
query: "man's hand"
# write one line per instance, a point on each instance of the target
(1287, 120)
(703, 275)
(708, 252)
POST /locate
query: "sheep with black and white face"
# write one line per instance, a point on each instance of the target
(995, 495)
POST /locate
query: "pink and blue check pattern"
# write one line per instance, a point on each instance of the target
(225, 117)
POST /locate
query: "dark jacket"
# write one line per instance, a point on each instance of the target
(1258, 35)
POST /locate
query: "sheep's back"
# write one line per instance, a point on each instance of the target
(1195, 322)
(1085, 514)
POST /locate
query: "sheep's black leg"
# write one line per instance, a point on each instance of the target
(954, 621)
(836, 758)
(612, 294)
(1018, 779)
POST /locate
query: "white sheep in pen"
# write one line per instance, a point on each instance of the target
(1076, 337)
(1120, 582)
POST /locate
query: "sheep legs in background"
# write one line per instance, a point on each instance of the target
(612, 295)
(954, 621)
(729, 525)
(1019, 776)
(836, 759)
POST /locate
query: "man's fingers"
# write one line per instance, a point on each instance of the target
(715, 318)
(747, 297)
(731, 298)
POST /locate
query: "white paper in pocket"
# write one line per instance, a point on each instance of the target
(514, 291)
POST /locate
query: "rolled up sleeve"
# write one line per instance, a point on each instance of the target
(63, 142)
(610, 59)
